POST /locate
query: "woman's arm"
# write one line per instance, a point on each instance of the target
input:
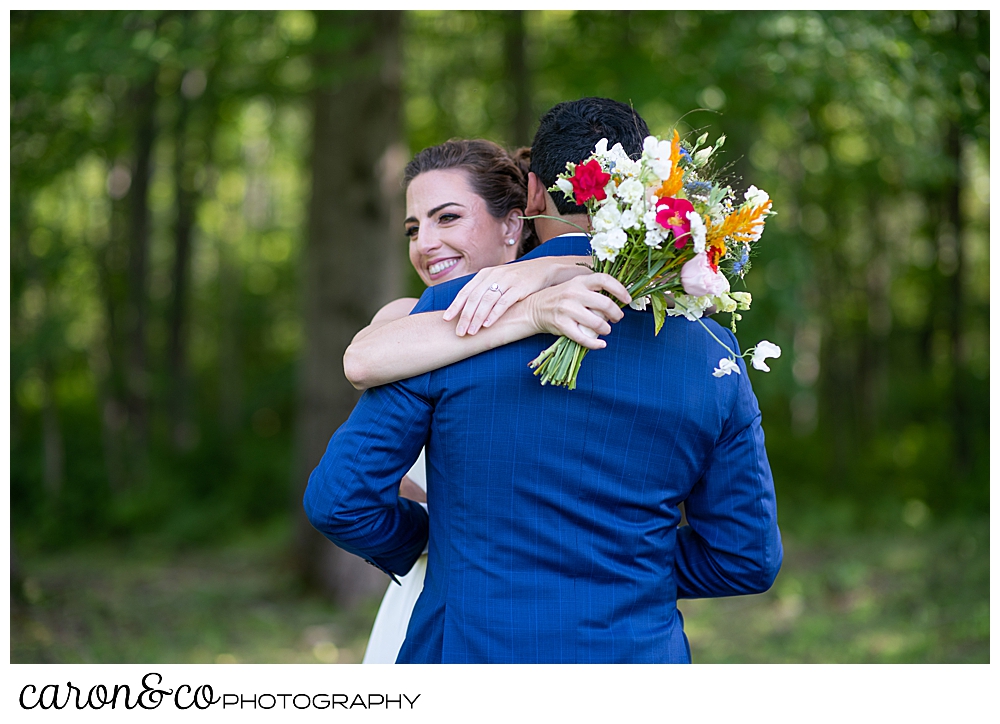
(406, 346)
(479, 304)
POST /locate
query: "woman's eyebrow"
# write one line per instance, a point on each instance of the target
(413, 219)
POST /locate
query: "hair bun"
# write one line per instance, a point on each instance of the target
(522, 157)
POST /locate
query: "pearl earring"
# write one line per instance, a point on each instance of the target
(511, 242)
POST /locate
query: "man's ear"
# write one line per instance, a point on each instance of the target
(537, 196)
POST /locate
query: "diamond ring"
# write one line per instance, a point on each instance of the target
(494, 288)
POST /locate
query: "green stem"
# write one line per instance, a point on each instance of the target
(555, 218)
(702, 323)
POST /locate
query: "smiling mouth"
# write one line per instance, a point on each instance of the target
(440, 267)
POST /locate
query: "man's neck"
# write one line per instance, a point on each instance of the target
(559, 224)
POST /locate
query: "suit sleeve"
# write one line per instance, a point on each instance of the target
(731, 545)
(353, 494)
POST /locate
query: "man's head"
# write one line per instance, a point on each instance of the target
(569, 132)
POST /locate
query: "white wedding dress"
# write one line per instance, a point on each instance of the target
(393, 616)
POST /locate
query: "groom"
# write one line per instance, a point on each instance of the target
(554, 527)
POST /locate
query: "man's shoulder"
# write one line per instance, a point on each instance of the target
(438, 297)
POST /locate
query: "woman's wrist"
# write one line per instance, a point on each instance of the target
(568, 267)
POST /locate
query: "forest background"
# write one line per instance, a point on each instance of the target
(205, 206)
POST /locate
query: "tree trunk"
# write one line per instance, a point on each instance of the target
(230, 367)
(874, 359)
(954, 229)
(122, 266)
(354, 256)
(515, 42)
(108, 361)
(183, 434)
(52, 439)
(137, 372)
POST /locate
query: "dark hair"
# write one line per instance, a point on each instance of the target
(497, 177)
(569, 132)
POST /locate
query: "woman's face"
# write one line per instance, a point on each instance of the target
(451, 231)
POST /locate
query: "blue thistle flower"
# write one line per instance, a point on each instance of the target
(698, 188)
(738, 265)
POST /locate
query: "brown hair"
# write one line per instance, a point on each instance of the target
(497, 177)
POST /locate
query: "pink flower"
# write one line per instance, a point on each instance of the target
(672, 214)
(698, 278)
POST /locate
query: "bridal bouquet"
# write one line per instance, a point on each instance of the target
(663, 227)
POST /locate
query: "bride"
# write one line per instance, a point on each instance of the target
(464, 206)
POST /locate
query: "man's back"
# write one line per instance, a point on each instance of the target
(554, 513)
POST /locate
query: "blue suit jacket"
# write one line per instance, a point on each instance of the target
(554, 513)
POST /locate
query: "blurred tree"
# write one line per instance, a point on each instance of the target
(515, 49)
(869, 129)
(353, 260)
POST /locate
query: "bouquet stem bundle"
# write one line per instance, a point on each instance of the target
(559, 363)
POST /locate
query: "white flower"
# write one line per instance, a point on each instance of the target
(565, 186)
(607, 244)
(629, 219)
(618, 162)
(697, 231)
(601, 148)
(725, 303)
(762, 351)
(639, 304)
(655, 234)
(657, 153)
(726, 367)
(702, 156)
(630, 191)
(756, 197)
(608, 217)
(742, 299)
(691, 308)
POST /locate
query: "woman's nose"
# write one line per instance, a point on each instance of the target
(427, 241)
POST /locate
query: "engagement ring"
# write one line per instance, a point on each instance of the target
(494, 288)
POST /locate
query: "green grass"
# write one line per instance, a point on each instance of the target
(239, 603)
(909, 596)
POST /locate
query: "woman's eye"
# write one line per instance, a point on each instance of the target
(445, 218)
(411, 232)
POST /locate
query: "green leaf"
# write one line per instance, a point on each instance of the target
(659, 309)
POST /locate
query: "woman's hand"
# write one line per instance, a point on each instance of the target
(495, 289)
(577, 309)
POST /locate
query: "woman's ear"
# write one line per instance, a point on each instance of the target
(513, 226)
(537, 196)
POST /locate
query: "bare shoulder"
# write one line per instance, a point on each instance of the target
(396, 309)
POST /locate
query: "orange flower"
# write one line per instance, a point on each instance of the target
(743, 225)
(673, 184)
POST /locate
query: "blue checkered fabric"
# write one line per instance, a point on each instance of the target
(554, 513)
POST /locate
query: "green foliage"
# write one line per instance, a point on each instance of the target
(868, 129)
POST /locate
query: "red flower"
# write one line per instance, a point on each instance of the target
(672, 214)
(714, 254)
(589, 181)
